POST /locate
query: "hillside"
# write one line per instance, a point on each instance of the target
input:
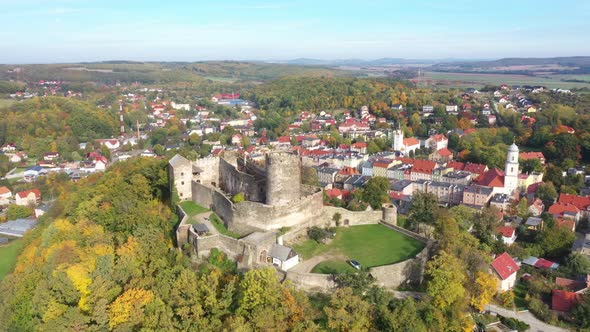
(41, 125)
(573, 65)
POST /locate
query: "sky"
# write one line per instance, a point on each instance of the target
(58, 31)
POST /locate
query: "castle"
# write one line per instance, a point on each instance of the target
(274, 195)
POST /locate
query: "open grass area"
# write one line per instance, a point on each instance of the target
(218, 224)
(333, 267)
(192, 208)
(371, 245)
(8, 254)
(6, 102)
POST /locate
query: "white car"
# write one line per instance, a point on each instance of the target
(355, 264)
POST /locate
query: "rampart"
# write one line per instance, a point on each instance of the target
(233, 181)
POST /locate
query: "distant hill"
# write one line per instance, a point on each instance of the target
(574, 64)
(359, 62)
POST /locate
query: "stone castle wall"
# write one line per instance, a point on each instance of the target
(233, 181)
(351, 218)
(208, 170)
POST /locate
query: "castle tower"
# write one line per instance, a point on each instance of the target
(398, 139)
(511, 169)
(283, 178)
(180, 175)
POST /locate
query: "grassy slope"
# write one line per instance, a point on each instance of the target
(192, 208)
(333, 267)
(371, 245)
(8, 254)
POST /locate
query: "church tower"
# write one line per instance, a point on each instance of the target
(511, 170)
(398, 139)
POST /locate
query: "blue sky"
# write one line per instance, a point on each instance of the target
(41, 31)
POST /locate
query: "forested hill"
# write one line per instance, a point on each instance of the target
(103, 260)
(57, 124)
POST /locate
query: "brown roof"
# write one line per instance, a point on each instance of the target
(4, 190)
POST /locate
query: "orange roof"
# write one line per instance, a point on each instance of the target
(444, 152)
(560, 208)
(348, 171)
(4, 190)
(567, 223)
(456, 165)
(506, 231)
(531, 155)
(359, 145)
(581, 202)
(423, 166)
(24, 194)
(410, 141)
(438, 138)
(475, 168)
(563, 300)
(505, 266)
(334, 193)
(491, 178)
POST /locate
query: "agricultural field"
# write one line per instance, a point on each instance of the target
(463, 80)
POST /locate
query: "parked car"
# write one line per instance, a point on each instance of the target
(355, 264)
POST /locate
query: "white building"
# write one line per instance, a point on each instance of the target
(511, 170)
(283, 257)
(505, 268)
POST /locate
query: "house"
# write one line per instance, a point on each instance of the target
(355, 182)
(111, 144)
(534, 223)
(477, 196)
(537, 207)
(581, 202)
(5, 195)
(360, 147)
(565, 299)
(437, 142)
(532, 155)
(283, 257)
(327, 176)
(505, 268)
(508, 234)
(540, 263)
(28, 197)
(452, 109)
(427, 110)
(441, 156)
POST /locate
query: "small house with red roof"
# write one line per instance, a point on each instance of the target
(28, 197)
(508, 234)
(581, 202)
(437, 142)
(505, 268)
(532, 155)
(360, 147)
(441, 156)
(5, 195)
(563, 300)
(536, 207)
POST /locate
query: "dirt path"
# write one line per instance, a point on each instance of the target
(307, 265)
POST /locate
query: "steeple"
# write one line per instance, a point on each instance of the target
(511, 169)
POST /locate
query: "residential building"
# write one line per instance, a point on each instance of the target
(446, 193)
(28, 197)
(505, 268)
(457, 177)
(437, 142)
(508, 234)
(283, 257)
(477, 196)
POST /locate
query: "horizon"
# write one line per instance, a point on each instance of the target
(64, 31)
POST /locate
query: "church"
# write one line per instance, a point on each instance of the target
(508, 181)
(402, 145)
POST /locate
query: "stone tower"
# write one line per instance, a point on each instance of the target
(389, 212)
(511, 169)
(283, 178)
(398, 139)
(180, 174)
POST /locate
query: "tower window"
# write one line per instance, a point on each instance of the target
(511, 169)
(181, 173)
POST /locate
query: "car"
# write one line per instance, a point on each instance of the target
(355, 264)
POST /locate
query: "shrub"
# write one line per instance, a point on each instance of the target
(18, 211)
(506, 299)
(317, 234)
(515, 324)
(237, 198)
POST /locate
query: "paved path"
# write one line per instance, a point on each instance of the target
(307, 265)
(527, 317)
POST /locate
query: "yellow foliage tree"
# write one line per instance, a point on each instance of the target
(129, 304)
(485, 289)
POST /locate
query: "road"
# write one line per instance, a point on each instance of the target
(527, 317)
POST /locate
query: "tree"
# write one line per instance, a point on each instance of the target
(445, 280)
(556, 241)
(547, 193)
(581, 312)
(18, 212)
(578, 264)
(531, 165)
(348, 312)
(553, 174)
(336, 218)
(484, 291)
(464, 216)
(424, 206)
(404, 318)
(309, 176)
(486, 224)
(375, 191)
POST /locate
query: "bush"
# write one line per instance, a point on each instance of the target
(317, 234)
(515, 324)
(18, 211)
(237, 198)
(506, 299)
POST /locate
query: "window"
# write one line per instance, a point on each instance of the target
(181, 195)
(182, 183)
(181, 173)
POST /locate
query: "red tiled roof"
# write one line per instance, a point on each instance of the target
(469, 131)
(563, 300)
(506, 231)
(334, 193)
(567, 223)
(359, 145)
(533, 187)
(475, 168)
(438, 138)
(423, 166)
(581, 202)
(24, 194)
(531, 155)
(504, 265)
(284, 139)
(573, 285)
(560, 208)
(348, 171)
(444, 152)
(410, 141)
(4, 190)
(456, 165)
(491, 178)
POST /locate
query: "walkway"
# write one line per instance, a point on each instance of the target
(527, 317)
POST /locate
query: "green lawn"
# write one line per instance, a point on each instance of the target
(218, 223)
(8, 254)
(333, 267)
(371, 245)
(192, 208)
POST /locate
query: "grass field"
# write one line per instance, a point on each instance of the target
(192, 208)
(8, 254)
(462, 80)
(333, 267)
(371, 245)
(218, 224)
(6, 102)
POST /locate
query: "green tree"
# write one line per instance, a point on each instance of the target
(531, 165)
(578, 264)
(375, 191)
(547, 193)
(445, 280)
(423, 209)
(348, 312)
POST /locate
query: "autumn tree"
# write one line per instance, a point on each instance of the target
(348, 312)
(445, 280)
(484, 291)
